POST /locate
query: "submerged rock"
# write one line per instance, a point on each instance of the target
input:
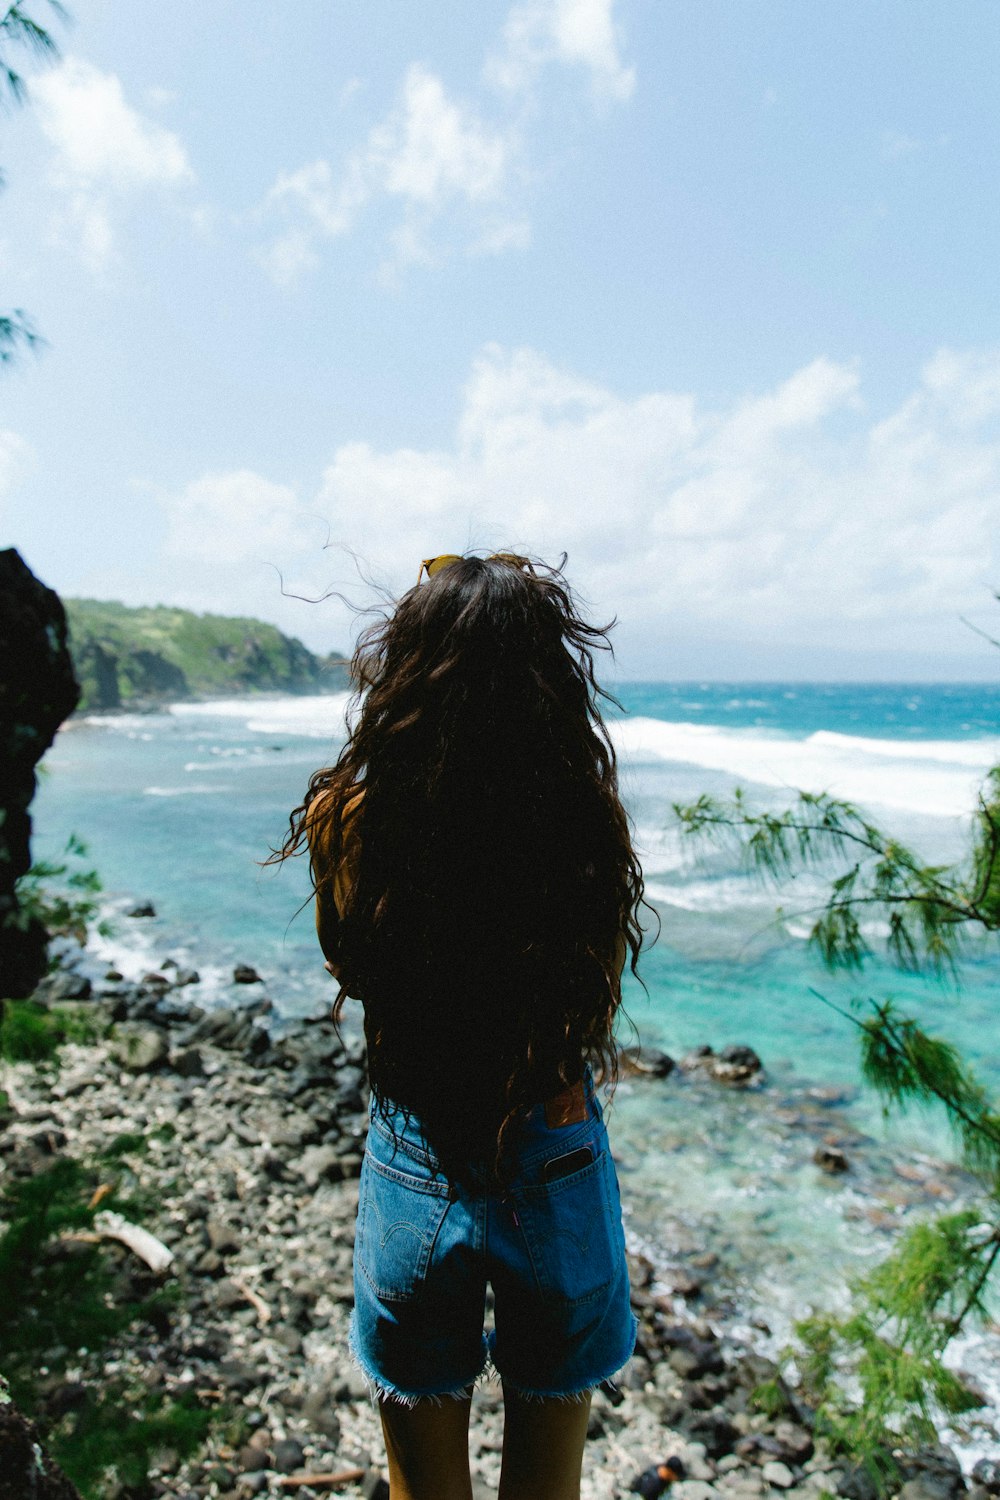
(735, 1064)
(987, 1473)
(647, 1062)
(831, 1159)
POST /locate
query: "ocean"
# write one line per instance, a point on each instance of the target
(180, 806)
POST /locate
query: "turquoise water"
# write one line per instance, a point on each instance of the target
(179, 806)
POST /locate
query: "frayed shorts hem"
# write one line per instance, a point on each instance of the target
(382, 1390)
(574, 1393)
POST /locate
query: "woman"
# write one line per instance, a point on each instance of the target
(477, 889)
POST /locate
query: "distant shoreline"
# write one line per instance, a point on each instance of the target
(159, 705)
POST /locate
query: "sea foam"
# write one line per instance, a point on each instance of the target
(938, 778)
(320, 717)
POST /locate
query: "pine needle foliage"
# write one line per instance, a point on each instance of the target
(876, 1377)
(62, 894)
(22, 35)
(20, 31)
(927, 908)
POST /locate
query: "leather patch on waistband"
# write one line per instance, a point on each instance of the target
(567, 1108)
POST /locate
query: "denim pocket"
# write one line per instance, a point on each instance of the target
(571, 1231)
(399, 1217)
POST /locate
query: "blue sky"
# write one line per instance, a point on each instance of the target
(705, 295)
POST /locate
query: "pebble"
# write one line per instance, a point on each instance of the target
(255, 1189)
(288, 1456)
(693, 1489)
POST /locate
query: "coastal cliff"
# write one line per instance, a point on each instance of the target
(128, 657)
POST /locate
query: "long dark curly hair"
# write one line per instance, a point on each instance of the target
(495, 890)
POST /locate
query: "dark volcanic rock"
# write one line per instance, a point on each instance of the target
(188, 1063)
(715, 1430)
(26, 1472)
(857, 1484)
(64, 984)
(736, 1065)
(931, 1474)
(696, 1359)
(987, 1473)
(143, 909)
(831, 1159)
(648, 1062)
(288, 1456)
(245, 974)
(37, 692)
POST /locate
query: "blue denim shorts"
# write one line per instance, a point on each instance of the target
(553, 1251)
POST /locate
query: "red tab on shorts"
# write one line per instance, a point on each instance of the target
(567, 1108)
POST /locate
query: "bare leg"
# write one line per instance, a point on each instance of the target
(542, 1448)
(427, 1446)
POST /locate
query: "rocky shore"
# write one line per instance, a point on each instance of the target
(246, 1143)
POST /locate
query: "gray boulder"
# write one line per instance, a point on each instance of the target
(138, 1048)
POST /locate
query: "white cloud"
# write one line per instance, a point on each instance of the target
(104, 149)
(98, 137)
(432, 154)
(454, 175)
(432, 148)
(236, 543)
(751, 521)
(228, 520)
(580, 33)
(791, 517)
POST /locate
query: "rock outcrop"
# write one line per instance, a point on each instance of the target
(37, 692)
(27, 1473)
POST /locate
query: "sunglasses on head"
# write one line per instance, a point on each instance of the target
(432, 565)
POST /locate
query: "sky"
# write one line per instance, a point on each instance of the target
(703, 295)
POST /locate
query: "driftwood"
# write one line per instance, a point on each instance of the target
(143, 1244)
(342, 1476)
(257, 1303)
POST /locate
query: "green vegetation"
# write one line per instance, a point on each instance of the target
(124, 656)
(877, 1375)
(64, 1293)
(61, 894)
(60, 1293)
(112, 1436)
(30, 1032)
